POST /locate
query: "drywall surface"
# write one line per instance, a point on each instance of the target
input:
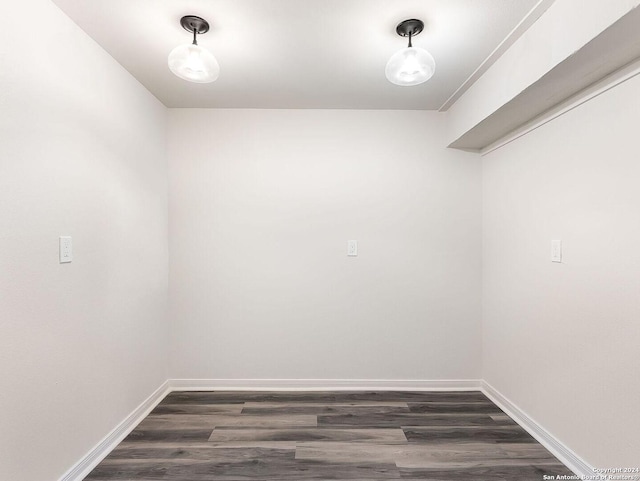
(561, 339)
(262, 203)
(81, 154)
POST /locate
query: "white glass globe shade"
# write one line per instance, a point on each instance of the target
(194, 63)
(410, 66)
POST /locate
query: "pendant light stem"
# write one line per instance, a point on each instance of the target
(410, 45)
(195, 33)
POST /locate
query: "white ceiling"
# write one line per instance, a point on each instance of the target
(300, 53)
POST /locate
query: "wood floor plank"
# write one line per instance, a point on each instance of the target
(385, 436)
(179, 421)
(270, 405)
(168, 435)
(130, 447)
(526, 450)
(447, 434)
(500, 473)
(453, 407)
(165, 408)
(191, 454)
(503, 419)
(262, 468)
(414, 461)
(409, 455)
(333, 408)
(398, 420)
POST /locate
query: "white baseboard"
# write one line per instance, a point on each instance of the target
(324, 385)
(111, 440)
(570, 459)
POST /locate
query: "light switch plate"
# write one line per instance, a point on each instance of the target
(66, 249)
(352, 248)
(556, 251)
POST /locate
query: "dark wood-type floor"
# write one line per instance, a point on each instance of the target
(438, 436)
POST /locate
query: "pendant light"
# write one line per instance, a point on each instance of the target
(411, 65)
(190, 61)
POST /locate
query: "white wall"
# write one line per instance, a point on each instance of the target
(262, 204)
(561, 341)
(81, 154)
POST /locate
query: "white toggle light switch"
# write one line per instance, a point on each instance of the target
(66, 251)
(556, 251)
(352, 248)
